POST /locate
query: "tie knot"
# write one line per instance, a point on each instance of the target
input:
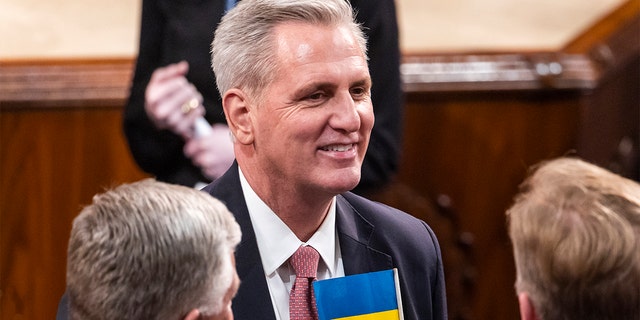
(305, 262)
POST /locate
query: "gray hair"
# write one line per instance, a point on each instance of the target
(243, 51)
(150, 250)
(575, 229)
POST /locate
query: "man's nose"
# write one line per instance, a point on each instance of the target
(345, 116)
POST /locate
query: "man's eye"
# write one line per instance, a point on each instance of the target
(358, 92)
(316, 96)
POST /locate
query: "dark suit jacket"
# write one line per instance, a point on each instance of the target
(372, 237)
(171, 31)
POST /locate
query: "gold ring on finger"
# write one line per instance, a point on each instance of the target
(190, 105)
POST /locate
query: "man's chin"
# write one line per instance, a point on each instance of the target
(344, 183)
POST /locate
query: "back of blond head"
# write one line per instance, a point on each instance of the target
(575, 229)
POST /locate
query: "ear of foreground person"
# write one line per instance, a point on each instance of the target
(575, 230)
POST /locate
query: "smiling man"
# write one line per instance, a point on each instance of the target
(296, 92)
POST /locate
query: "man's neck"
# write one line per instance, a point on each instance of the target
(302, 211)
(303, 215)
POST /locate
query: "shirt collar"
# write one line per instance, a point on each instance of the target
(276, 242)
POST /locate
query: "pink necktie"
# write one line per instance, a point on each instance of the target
(302, 304)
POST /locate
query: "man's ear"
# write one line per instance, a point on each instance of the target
(237, 109)
(527, 309)
(193, 315)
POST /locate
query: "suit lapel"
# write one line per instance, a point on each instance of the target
(253, 296)
(354, 234)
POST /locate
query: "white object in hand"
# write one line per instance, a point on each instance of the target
(201, 128)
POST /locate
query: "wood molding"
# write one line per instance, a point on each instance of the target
(498, 72)
(606, 28)
(582, 64)
(102, 83)
(65, 83)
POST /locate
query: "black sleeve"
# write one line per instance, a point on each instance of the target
(155, 151)
(171, 31)
(378, 18)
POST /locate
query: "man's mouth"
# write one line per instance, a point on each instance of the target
(338, 147)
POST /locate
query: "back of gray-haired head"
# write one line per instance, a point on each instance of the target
(243, 51)
(150, 250)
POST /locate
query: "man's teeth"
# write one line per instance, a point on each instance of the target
(338, 148)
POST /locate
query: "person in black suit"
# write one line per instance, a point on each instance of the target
(156, 128)
(296, 91)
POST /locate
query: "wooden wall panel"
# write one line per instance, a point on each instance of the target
(52, 162)
(475, 123)
(473, 150)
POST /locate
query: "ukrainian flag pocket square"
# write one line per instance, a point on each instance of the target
(366, 296)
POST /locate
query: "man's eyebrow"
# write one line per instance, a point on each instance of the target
(315, 85)
(363, 82)
(328, 86)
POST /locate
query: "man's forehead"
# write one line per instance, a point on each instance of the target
(301, 40)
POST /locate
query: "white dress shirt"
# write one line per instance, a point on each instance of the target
(276, 243)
